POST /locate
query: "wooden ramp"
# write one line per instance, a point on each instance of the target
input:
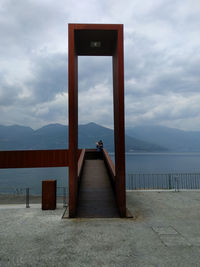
(96, 197)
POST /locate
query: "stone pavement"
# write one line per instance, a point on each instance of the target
(165, 231)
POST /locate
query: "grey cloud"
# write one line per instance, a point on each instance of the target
(8, 93)
(94, 70)
(50, 77)
(158, 71)
(161, 61)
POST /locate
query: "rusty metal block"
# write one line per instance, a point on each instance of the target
(49, 194)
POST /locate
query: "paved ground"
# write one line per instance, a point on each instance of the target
(164, 232)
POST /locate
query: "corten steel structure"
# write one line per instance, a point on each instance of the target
(96, 40)
(90, 40)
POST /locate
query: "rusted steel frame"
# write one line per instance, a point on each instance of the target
(118, 93)
(80, 162)
(34, 158)
(95, 26)
(85, 34)
(119, 132)
(110, 165)
(73, 121)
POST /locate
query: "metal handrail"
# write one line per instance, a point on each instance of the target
(175, 181)
(20, 191)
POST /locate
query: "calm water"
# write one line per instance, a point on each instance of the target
(135, 163)
(10, 179)
(162, 162)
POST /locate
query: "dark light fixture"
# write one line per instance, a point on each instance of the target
(95, 44)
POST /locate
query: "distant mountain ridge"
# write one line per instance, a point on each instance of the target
(173, 139)
(55, 136)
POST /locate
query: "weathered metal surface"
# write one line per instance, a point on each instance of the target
(49, 194)
(95, 42)
(73, 121)
(34, 158)
(119, 132)
(84, 39)
(110, 165)
(97, 39)
(81, 162)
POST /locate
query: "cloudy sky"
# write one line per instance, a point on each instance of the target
(162, 62)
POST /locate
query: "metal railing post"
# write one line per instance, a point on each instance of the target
(170, 181)
(27, 198)
(64, 197)
(176, 178)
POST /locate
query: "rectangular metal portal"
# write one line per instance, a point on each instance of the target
(96, 40)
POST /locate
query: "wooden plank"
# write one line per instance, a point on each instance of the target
(34, 158)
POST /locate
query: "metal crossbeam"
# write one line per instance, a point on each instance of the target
(34, 158)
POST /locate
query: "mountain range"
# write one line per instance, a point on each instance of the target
(55, 136)
(173, 139)
(138, 139)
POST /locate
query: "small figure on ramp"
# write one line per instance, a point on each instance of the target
(99, 145)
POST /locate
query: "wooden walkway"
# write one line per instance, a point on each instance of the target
(96, 197)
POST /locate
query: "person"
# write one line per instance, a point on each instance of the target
(99, 146)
